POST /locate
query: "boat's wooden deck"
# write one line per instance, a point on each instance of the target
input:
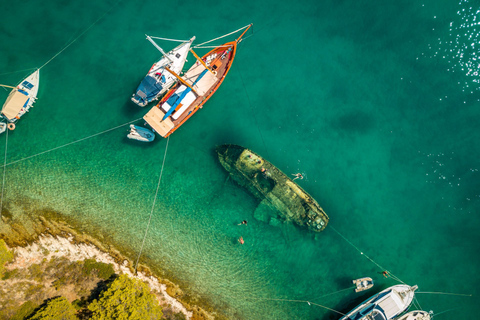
(221, 68)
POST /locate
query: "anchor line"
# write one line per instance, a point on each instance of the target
(153, 205)
(4, 169)
(450, 294)
(85, 31)
(370, 259)
(70, 143)
(301, 301)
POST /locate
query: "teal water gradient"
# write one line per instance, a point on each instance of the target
(370, 100)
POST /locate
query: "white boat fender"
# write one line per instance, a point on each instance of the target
(11, 126)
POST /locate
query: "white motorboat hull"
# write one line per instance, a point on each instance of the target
(140, 134)
(385, 305)
(415, 315)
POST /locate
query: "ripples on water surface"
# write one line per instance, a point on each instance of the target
(387, 137)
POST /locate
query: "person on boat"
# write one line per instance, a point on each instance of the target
(263, 170)
(297, 175)
(241, 240)
(243, 222)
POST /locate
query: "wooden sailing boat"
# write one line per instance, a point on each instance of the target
(21, 98)
(198, 84)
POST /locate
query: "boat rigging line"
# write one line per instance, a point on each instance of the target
(175, 40)
(70, 143)
(4, 167)
(450, 294)
(30, 69)
(81, 34)
(301, 301)
(390, 274)
(201, 44)
(153, 206)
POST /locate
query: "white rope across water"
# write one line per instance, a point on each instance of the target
(85, 31)
(450, 294)
(12, 72)
(201, 44)
(371, 260)
(300, 301)
(4, 167)
(70, 143)
(153, 206)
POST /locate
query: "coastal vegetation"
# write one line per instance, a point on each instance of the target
(48, 282)
(50, 258)
(97, 291)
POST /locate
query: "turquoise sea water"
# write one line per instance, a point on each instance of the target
(376, 103)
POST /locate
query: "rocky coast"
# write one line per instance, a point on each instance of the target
(45, 244)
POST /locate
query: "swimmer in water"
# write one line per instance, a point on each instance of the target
(297, 175)
(241, 240)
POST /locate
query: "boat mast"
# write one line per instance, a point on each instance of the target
(159, 49)
(244, 32)
(2, 85)
(181, 80)
(201, 61)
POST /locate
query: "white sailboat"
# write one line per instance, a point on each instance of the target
(385, 305)
(158, 80)
(21, 99)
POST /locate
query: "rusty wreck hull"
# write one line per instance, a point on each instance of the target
(267, 183)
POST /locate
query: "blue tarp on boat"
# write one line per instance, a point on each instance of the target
(148, 89)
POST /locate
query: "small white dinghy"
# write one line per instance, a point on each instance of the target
(363, 284)
(415, 315)
(21, 98)
(140, 134)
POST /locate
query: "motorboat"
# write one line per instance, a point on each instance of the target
(385, 305)
(363, 284)
(140, 134)
(416, 315)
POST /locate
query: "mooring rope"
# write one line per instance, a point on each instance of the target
(85, 31)
(371, 260)
(1, 74)
(450, 294)
(153, 206)
(329, 294)
(300, 301)
(4, 168)
(70, 143)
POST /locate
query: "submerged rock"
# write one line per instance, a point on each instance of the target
(275, 190)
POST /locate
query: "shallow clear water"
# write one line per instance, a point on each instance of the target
(357, 95)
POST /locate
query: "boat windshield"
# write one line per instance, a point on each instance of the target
(375, 315)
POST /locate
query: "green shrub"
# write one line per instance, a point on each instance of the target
(25, 310)
(124, 299)
(104, 271)
(36, 272)
(5, 256)
(55, 309)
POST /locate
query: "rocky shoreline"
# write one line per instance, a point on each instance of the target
(49, 238)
